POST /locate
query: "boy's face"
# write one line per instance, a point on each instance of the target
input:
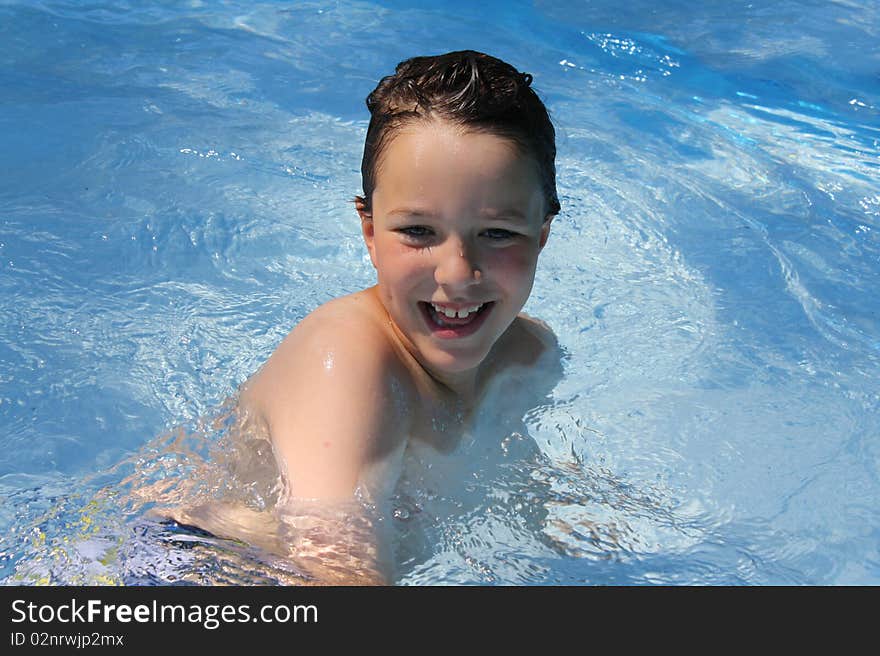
(457, 223)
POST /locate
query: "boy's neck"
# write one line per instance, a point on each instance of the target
(463, 385)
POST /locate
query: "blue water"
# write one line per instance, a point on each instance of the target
(175, 185)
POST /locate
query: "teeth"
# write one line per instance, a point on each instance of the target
(452, 314)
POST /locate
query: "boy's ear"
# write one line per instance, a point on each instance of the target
(545, 230)
(367, 229)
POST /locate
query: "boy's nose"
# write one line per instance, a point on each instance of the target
(457, 267)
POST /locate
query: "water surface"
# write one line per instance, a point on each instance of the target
(176, 196)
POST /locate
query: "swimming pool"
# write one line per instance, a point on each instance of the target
(176, 195)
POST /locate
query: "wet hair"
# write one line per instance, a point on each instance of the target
(470, 89)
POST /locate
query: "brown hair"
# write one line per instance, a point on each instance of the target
(471, 89)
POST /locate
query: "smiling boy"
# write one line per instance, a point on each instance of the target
(459, 195)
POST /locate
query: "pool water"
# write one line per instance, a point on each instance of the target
(176, 195)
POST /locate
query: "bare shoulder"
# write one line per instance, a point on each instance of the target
(328, 397)
(527, 366)
(343, 327)
(529, 340)
(538, 329)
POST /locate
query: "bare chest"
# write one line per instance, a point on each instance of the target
(442, 423)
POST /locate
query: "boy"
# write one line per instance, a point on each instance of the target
(459, 194)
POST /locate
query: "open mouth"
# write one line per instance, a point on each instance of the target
(447, 324)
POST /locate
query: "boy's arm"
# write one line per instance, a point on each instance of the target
(320, 543)
(327, 398)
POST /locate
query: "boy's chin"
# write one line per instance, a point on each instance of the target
(455, 361)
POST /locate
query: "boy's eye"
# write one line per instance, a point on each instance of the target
(416, 232)
(499, 234)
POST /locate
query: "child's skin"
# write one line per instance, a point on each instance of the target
(458, 219)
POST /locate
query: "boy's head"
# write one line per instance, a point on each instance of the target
(470, 90)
